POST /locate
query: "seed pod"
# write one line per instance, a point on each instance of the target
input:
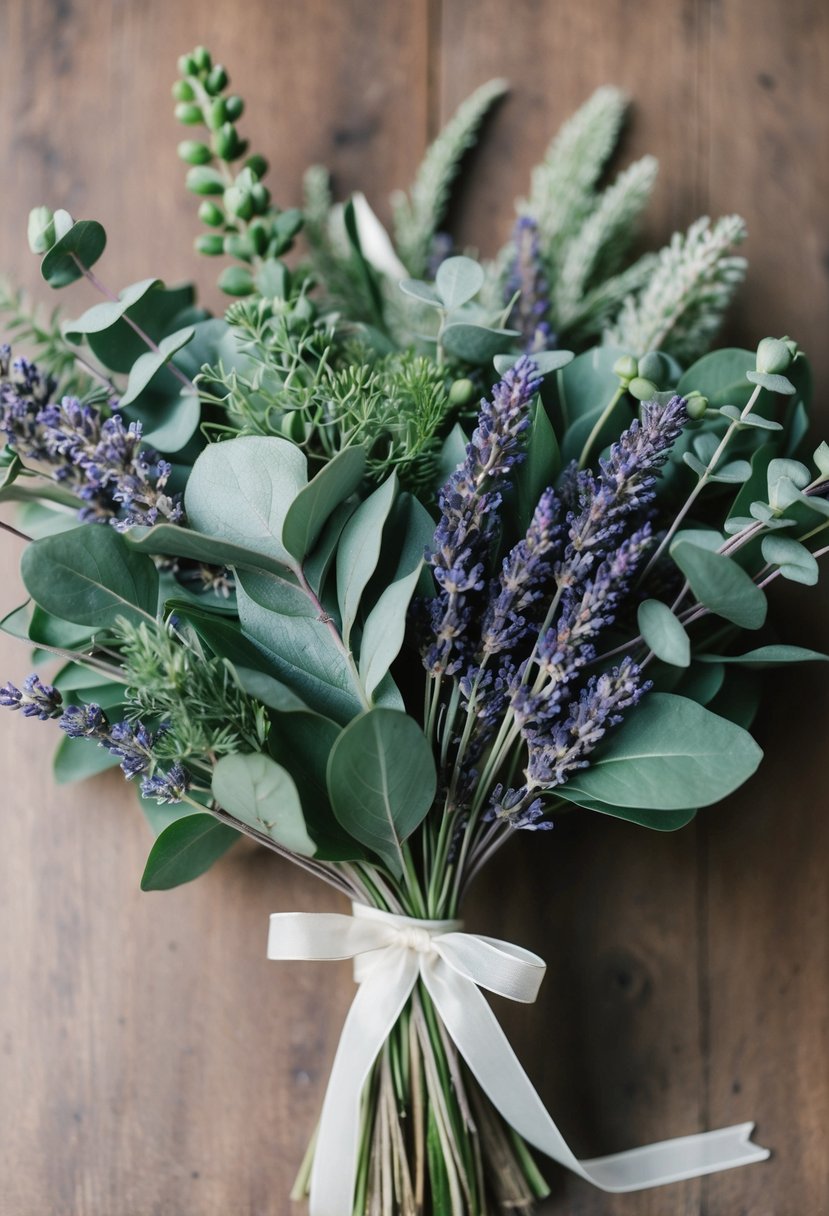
(210, 243)
(182, 91)
(236, 281)
(625, 367)
(216, 79)
(641, 389)
(235, 107)
(210, 214)
(188, 114)
(194, 153)
(773, 357)
(696, 405)
(461, 392)
(653, 366)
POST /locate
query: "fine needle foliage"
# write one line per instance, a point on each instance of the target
(404, 554)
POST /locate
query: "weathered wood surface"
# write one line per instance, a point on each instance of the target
(152, 1061)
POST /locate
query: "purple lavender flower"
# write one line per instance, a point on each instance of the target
(524, 578)
(34, 700)
(518, 809)
(84, 722)
(167, 787)
(468, 504)
(531, 309)
(131, 742)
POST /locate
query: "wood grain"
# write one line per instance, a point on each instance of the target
(152, 1060)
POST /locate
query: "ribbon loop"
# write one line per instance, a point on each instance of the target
(391, 953)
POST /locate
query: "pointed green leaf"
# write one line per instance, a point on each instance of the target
(184, 850)
(664, 634)
(660, 821)
(359, 550)
(541, 465)
(721, 585)
(101, 316)
(774, 655)
(148, 365)
(381, 781)
(309, 511)
(257, 791)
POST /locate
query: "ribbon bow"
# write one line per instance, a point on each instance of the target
(391, 953)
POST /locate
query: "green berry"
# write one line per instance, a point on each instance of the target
(216, 79)
(261, 196)
(187, 65)
(215, 115)
(653, 366)
(236, 281)
(204, 180)
(238, 202)
(258, 235)
(625, 367)
(773, 357)
(461, 392)
(237, 246)
(696, 405)
(227, 142)
(210, 243)
(210, 214)
(188, 114)
(194, 153)
(641, 389)
(182, 91)
(235, 107)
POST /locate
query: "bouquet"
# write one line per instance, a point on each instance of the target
(404, 554)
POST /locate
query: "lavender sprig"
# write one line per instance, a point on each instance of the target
(531, 310)
(34, 700)
(131, 742)
(468, 504)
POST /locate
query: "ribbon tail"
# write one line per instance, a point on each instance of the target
(386, 984)
(480, 1040)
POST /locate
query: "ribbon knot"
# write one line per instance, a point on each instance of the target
(454, 966)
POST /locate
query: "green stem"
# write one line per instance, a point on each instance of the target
(599, 425)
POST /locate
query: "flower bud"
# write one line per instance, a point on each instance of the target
(188, 114)
(210, 243)
(261, 196)
(238, 202)
(773, 357)
(187, 65)
(194, 153)
(257, 164)
(641, 389)
(210, 214)
(235, 107)
(461, 392)
(654, 367)
(182, 91)
(625, 367)
(227, 142)
(258, 235)
(216, 79)
(41, 230)
(696, 405)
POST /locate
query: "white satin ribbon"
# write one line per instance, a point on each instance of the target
(391, 953)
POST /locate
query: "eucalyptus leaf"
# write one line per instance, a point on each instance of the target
(309, 511)
(157, 313)
(669, 754)
(381, 781)
(664, 633)
(384, 630)
(774, 384)
(821, 459)
(547, 361)
(80, 759)
(721, 585)
(241, 490)
(658, 820)
(423, 292)
(720, 376)
(476, 344)
(76, 251)
(168, 420)
(90, 576)
(257, 791)
(102, 316)
(458, 280)
(541, 465)
(170, 540)
(147, 366)
(359, 550)
(793, 559)
(453, 452)
(48, 630)
(185, 850)
(773, 655)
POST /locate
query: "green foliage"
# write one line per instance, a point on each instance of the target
(721, 585)
(381, 782)
(42, 335)
(185, 850)
(418, 215)
(257, 791)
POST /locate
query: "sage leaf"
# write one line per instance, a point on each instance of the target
(669, 754)
(184, 850)
(664, 633)
(241, 490)
(721, 585)
(381, 781)
(774, 655)
(259, 792)
(90, 576)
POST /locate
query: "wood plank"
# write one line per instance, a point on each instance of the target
(153, 1060)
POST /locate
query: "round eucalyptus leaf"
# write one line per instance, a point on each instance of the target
(75, 252)
(664, 633)
(458, 280)
(257, 791)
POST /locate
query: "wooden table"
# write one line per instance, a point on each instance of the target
(152, 1060)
